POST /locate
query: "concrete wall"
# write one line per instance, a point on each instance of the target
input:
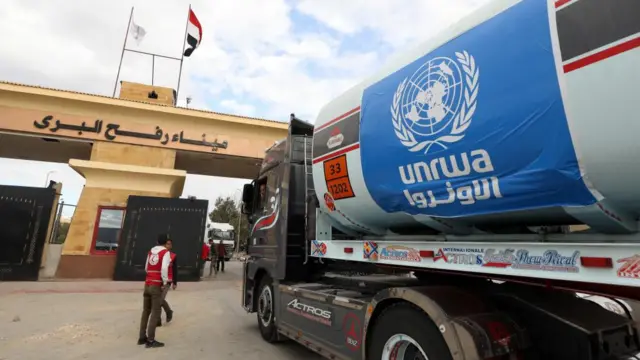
(140, 92)
(52, 218)
(50, 266)
(133, 155)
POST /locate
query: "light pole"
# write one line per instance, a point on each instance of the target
(238, 234)
(46, 181)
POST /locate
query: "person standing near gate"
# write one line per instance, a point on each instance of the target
(173, 282)
(221, 252)
(212, 263)
(203, 258)
(157, 268)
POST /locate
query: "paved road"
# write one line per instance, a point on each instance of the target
(99, 320)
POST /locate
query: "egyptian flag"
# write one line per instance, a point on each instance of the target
(194, 33)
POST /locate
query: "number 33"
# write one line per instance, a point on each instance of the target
(335, 169)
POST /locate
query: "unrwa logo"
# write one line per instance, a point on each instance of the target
(436, 104)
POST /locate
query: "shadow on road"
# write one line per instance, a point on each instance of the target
(288, 348)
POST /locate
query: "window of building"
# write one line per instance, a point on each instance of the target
(107, 230)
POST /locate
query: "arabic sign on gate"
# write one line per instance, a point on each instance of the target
(476, 126)
(112, 131)
(82, 127)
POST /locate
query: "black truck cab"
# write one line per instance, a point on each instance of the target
(280, 217)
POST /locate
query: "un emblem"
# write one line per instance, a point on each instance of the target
(436, 104)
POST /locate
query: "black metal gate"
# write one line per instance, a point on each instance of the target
(146, 218)
(24, 220)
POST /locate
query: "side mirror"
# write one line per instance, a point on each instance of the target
(245, 210)
(247, 193)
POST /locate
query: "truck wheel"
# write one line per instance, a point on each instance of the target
(266, 314)
(404, 332)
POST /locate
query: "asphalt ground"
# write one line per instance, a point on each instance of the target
(100, 320)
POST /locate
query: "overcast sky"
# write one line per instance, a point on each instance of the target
(265, 58)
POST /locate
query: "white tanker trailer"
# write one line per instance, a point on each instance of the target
(509, 120)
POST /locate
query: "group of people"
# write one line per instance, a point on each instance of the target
(162, 274)
(215, 253)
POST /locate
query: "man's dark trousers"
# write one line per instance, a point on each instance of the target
(219, 261)
(152, 307)
(165, 304)
(203, 262)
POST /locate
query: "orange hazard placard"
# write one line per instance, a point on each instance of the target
(336, 175)
(340, 188)
(335, 168)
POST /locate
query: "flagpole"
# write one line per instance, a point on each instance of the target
(184, 45)
(153, 68)
(115, 86)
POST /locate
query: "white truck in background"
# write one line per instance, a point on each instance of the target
(225, 232)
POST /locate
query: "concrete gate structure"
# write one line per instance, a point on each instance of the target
(139, 144)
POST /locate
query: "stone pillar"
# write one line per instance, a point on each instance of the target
(52, 218)
(114, 172)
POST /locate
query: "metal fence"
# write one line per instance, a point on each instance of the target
(60, 225)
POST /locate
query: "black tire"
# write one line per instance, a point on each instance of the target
(268, 329)
(404, 318)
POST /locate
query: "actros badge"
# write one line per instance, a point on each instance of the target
(310, 312)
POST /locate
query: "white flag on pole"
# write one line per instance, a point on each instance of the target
(137, 32)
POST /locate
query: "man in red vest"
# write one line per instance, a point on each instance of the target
(173, 283)
(203, 258)
(157, 268)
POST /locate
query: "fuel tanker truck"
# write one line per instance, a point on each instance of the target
(475, 198)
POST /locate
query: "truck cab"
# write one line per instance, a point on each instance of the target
(281, 220)
(225, 232)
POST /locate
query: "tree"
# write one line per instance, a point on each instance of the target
(227, 211)
(62, 233)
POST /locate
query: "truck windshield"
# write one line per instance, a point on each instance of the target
(216, 234)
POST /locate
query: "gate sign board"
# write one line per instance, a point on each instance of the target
(24, 220)
(91, 129)
(148, 217)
